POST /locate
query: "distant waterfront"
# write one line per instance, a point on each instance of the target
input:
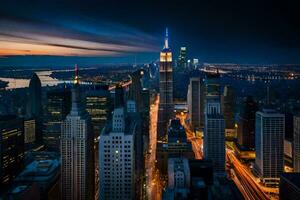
(44, 76)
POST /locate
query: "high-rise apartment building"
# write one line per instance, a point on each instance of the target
(166, 107)
(77, 155)
(269, 137)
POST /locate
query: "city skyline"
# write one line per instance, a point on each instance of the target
(146, 115)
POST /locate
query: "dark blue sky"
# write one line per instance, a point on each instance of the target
(96, 32)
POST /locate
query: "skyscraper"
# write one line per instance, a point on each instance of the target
(228, 107)
(11, 149)
(119, 100)
(269, 136)
(214, 130)
(246, 126)
(182, 60)
(77, 144)
(35, 97)
(58, 106)
(296, 144)
(193, 99)
(35, 104)
(29, 131)
(98, 106)
(117, 158)
(166, 107)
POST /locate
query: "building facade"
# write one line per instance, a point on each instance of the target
(29, 131)
(193, 99)
(296, 144)
(117, 158)
(11, 149)
(57, 108)
(246, 125)
(98, 107)
(214, 130)
(269, 137)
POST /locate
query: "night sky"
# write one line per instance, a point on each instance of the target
(50, 32)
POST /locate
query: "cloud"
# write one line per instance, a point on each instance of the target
(68, 36)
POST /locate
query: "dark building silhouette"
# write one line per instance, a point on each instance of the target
(35, 96)
(228, 104)
(11, 148)
(166, 107)
(194, 102)
(289, 186)
(214, 129)
(182, 59)
(246, 126)
(135, 88)
(119, 100)
(35, 104)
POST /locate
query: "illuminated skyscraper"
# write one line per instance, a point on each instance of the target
(269, 136)
(166, 107)
(77, 158)
(57, 108)
(98, 107)
(11, 149)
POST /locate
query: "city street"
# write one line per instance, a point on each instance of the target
(248, 184)
(152, 182)
(197, 143)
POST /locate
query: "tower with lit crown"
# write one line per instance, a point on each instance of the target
(166, 106)
(77, 158)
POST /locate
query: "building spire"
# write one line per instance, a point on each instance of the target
(76, 77)
(166, 39)
(76, 98)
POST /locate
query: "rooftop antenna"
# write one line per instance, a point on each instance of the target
(167, 39)
(76, 78)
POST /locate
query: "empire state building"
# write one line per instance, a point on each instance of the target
(166, 107)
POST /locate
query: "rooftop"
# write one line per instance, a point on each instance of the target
(40, 170)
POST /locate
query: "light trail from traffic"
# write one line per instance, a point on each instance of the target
(248, 185)
(154, 187)
(195, 141)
